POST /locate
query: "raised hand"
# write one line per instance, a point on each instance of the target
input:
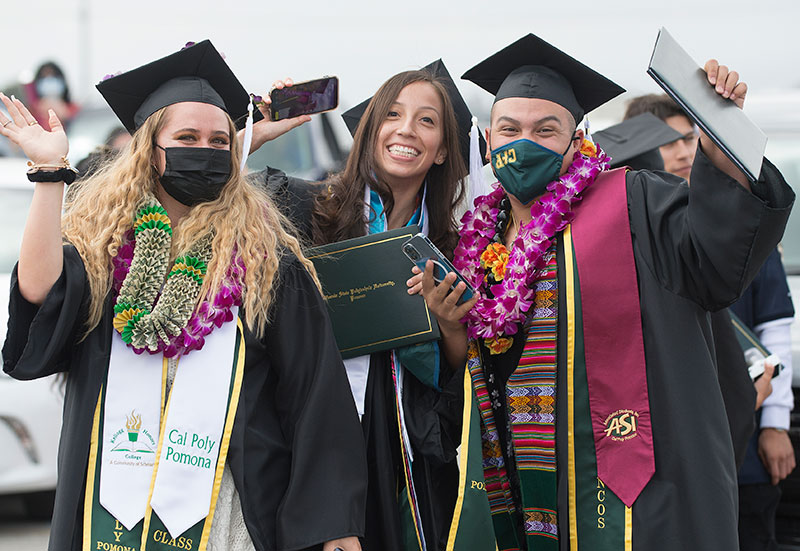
(267, 130)
(41, 146)
(726, 82)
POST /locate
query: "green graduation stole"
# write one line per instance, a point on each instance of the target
(101, 530)
(471, 528)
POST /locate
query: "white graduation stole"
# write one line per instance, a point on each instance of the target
(166, 463)
(193, 432)
(131, 427)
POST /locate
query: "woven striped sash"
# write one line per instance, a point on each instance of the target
(531, 397)
(530, 400)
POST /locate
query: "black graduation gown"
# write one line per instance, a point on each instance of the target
(737, 388)
(296, 453)
(433, 418)
(695, 249)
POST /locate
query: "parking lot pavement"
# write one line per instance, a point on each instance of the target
(19, 533)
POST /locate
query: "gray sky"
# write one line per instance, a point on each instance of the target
(365, 42)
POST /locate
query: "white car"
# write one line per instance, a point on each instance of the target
(30, 411)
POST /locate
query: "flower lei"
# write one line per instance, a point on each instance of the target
(503, 279)
(168, 323)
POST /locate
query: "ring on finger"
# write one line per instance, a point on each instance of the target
(7, 123)
(32, 123)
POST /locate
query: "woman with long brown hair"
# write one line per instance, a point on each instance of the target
(405, 167)
(173, 297)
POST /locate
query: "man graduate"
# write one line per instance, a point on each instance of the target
(601, 418)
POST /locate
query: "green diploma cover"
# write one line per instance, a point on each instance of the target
(364, 284)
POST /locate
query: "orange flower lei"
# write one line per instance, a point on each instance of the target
(499, 345)
(495, 258)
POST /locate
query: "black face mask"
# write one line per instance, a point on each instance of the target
(194, 175)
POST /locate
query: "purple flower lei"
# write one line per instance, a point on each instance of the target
(205, 318)
(514, 295)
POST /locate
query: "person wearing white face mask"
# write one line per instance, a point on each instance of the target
(49, 90)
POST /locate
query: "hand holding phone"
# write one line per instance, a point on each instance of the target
(419, 249)
(756, 361)
(304, 98)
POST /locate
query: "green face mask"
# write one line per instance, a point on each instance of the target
(524, 168)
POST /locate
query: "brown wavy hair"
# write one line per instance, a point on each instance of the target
(339, 211)
(100, 209)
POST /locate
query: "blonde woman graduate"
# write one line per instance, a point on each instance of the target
(206, 403)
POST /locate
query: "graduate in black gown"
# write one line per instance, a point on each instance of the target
(254, 436)
(404, 168)
(602, 420)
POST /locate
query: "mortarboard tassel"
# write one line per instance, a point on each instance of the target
(248, 135)
(587, 133)
(477, 187)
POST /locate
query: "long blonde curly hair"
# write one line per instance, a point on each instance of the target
(100, 209)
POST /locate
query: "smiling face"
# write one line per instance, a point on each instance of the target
(410, 139)
(192, 124)
(544, 122)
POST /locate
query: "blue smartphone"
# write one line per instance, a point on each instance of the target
(419, 249)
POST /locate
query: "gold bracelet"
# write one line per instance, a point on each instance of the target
(33, 168)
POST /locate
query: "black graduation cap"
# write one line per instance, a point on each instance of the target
(635, 142)
(533, 68)
(463, 116)
(195, 73)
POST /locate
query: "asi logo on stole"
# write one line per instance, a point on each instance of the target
(622, 425)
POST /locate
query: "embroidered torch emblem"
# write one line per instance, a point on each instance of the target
(133, 424)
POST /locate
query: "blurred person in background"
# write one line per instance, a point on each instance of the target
(767, 309)
(49, 90)
(117, 139)
(678, 155)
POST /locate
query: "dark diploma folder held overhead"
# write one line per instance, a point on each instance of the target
(364, 284)
(727, 125)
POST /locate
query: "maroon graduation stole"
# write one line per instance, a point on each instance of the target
(612, 332)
